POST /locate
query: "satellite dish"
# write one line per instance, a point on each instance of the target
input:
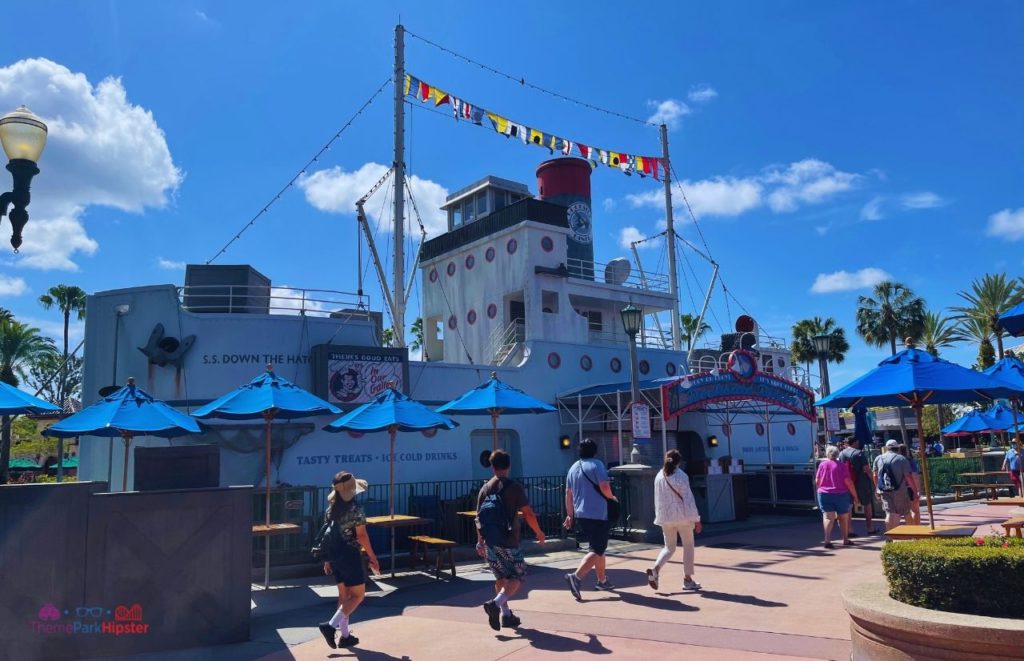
(617, 271)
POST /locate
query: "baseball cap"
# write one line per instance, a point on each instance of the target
(892, 443)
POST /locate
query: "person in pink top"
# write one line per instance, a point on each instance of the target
(836, 493)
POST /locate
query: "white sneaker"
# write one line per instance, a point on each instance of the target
(690, 584)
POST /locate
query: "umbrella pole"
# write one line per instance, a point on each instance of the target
(391, 498)
(924, 467)
(127, 438)
(494, 431)
(267, 417)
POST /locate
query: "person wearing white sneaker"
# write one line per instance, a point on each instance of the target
(675, 511)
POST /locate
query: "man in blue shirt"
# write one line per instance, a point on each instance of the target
(587, 491)
(1011, 464)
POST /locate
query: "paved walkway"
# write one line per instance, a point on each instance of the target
(770, 591)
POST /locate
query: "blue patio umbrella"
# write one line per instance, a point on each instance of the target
(266, 397)
(495, 398)
(18, 402)
(914, 377)
(1010, 369)
(391, 411)
(975, 422)
(1002, 417)
(124, 413)
(1012, 320)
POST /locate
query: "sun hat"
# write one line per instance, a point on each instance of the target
(350, 486)
(892, 443)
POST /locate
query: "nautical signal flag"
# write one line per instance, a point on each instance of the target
(645, 166)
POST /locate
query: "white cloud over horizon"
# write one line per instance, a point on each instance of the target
(336, 190)
(701, 93)
(840, 281)
(781, 189)
(12, 286)
(170, 264)
(1006, 224)
(630, 233)
(922, 200)
(873, 209)
(668, 112)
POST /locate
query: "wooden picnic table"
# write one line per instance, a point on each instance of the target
(984, 474)
(926, 532)
(1011, 502)
(392, 522)
(263, 530)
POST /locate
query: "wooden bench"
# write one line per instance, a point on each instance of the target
(1013, 526)
(992, 489)
(421, 546)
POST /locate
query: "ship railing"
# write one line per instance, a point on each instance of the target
(585, 269)
(256, 299)
(647, 338)
(504, 343)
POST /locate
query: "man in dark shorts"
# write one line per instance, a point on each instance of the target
(503, 555)
(587, 491)
(863, 480)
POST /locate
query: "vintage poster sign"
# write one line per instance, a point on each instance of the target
(351, 375)
(641, 421)
(741, 381)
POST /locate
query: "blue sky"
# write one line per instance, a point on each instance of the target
(841, 142)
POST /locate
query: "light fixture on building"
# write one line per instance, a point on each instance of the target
(23, 136)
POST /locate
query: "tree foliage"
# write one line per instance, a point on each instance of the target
(892, 313)
(988, 298)
(804, 331)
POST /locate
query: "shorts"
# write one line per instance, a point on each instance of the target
(865, 492)
(347, 568)
(896, 502)
(506, 563)
(835, 502)
(596, 531)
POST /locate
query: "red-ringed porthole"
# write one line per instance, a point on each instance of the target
(511, 246)
(492, 311)
(554, 360)
(726, 428)
(546, 244)
(470, 262)
(451, 269)
(644, 367)
(429, 433)
(586, 363)
(471, 317)
(433, 275)
(791, 428)
(355, 434)
(616, 365)
(670, 369)
(759, 428)
(452, 322)
(489, 254)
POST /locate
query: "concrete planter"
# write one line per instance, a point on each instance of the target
(884, 629)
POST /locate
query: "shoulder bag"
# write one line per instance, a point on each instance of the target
(614, 507)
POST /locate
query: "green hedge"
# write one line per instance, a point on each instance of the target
(958, 575)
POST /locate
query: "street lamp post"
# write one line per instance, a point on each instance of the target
(23, 136)
(631, 318)
(822, 346)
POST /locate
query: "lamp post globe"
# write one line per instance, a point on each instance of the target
(822, 344)
(631, 317)
(23, 137)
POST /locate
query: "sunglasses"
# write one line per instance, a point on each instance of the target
(88, 612)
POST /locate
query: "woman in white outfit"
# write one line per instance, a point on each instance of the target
(676, 512)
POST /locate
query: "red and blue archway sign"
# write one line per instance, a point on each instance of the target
(740, 381)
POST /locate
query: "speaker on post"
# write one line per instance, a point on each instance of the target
(178, 467)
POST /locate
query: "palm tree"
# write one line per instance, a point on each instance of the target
(988, 298)
(6, 315)
(972, 329)
(893, 314)
(68, 299)
(691, 332)
(937, 333)
(20, 347)
(417, 334)
(802, 348)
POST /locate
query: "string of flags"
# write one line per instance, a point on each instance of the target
(627, 163)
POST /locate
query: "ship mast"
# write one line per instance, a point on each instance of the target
(670, 237)
(398, 310)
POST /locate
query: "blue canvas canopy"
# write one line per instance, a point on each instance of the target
(494, 397)
(18, 402)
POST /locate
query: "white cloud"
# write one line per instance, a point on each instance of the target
(101, 150)
(828, 283)
(170, 264)
(805, 182)
(1007, 224)
(873, 209)
(701, 94)
(609, 203)
(336, 191)
(629, 234)
(12, 286)
(285, 300)
(922, 200)
(668, 112)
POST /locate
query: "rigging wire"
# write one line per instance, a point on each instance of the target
(521, 80)
(300, 173)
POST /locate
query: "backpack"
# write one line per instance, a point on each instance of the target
(493, 517)
(324, 542)
(886, 480)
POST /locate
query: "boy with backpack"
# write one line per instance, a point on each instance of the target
(891, 470)
(498, 505)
